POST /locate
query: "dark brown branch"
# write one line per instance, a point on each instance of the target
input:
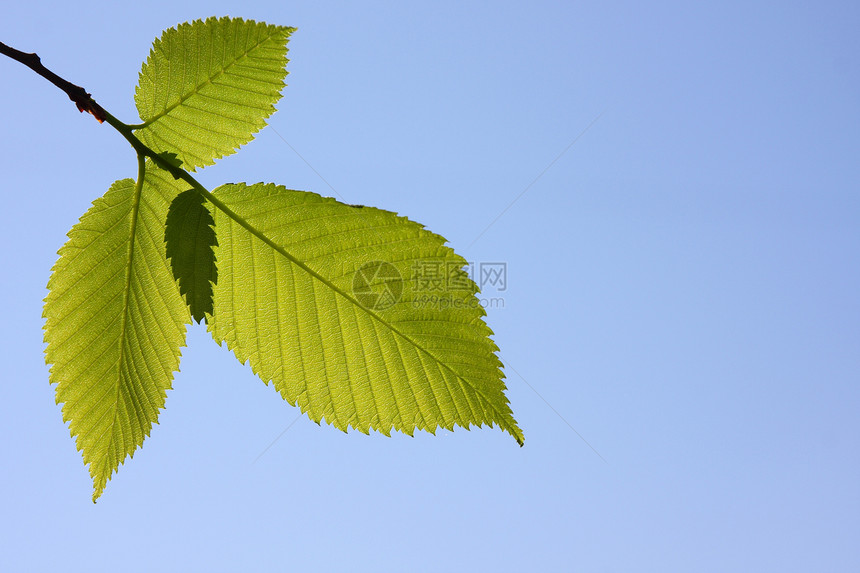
(77, 94)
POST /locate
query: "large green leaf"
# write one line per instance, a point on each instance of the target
(323, 299)
(115, 322)
(208, 87)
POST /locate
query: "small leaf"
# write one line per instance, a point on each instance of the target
(208, 87)
(190, 238)
(171, 158)
(115, 322)
(322, 299)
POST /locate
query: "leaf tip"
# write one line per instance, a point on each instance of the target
(98, 489)
(516, 433)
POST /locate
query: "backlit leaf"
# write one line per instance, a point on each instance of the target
(323, 299)
(207, 87)
(115, 323)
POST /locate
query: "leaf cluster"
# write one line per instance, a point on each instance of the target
(319, 297)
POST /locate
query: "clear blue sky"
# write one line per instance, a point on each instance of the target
(682, 289)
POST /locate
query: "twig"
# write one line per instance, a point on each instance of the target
(80, 97)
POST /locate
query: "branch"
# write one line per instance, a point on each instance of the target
(77, 94)
(86, 103)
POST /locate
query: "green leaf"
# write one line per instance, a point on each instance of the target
(190, 238)
(208, 87)
(323, 299)
(115, 322)
(171, 159)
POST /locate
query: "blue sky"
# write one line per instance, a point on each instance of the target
(682, 289)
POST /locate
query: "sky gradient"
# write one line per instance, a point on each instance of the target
(674, 192)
